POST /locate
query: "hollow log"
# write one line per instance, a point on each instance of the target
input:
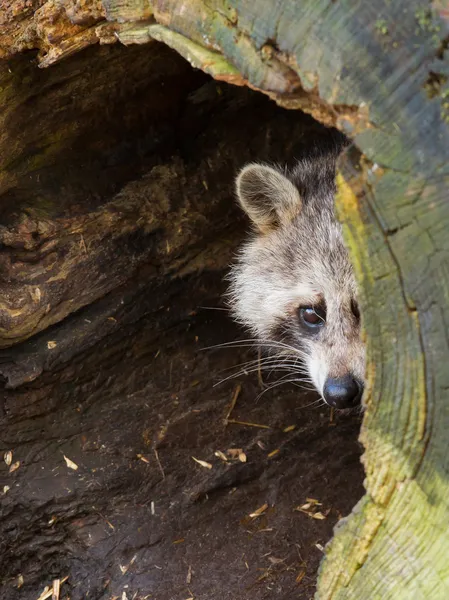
(82, 219)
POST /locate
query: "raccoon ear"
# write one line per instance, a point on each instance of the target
(267, 196)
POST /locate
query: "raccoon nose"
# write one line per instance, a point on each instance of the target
(342, 392)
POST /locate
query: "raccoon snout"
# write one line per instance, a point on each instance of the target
(343, 392)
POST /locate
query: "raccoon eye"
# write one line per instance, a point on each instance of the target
(312, 316)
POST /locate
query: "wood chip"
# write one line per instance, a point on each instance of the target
(222, 455)
(237, 454)
(247, 424)
(300, 576)
(70, 463)
(20, 581)
(203, 463)
(289, 428)
(142, 457)
(14, 466)
(189, 575)
(56, 589)
(320, 547)
(51, 345)
(48, 591)
(234, 398)
(8, 458)
(273, 453)
(318, 515)
(242, 457)
(259, 511)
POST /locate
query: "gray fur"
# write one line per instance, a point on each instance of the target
(296, 257)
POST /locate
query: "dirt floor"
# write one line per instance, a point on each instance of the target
(104, 417)
(138, 517)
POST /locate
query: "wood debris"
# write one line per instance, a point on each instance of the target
(56, 589)
(234, 398)
(289, 428)
(124, 568)
(259, 511)
(202, 463)
(310, 508)
(300, 576)
(142, 458)
(222, 455)
(48, 592)
(70, 463)
(14, 466)
(8, 458)
(237, 454)
(248, 424)
(273, 453)
(51, 345)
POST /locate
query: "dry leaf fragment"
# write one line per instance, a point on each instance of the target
(20, 581)
(51, 345)
(70, 463)
(259, 511)
(6, 489)
(203, 463)
(14, 466)
(8, 458)
(189, 575)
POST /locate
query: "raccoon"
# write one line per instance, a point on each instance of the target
(293, 284)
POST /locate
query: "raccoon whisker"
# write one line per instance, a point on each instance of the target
(255, 343)
(278, 367)
(316, 403)
(256, 362)
(275, 385)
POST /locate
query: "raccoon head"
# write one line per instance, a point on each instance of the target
(293, 283)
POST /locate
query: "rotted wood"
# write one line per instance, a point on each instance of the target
(106, 398)
(378, 71)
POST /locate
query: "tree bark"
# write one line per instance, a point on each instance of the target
(379, 72)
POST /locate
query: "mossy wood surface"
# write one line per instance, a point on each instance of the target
(378, 70)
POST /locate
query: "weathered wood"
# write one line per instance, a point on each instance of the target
(379, 71)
